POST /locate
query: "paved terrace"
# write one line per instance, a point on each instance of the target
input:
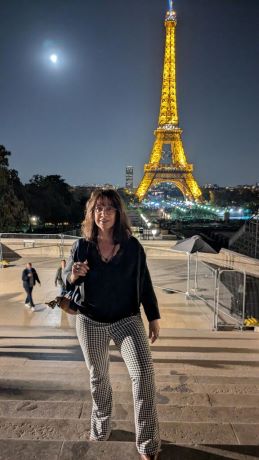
(207, 382)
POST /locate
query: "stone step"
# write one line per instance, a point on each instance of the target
(180, 396)
(81, 450)
(169, 413)
(64, 333)
(176, 432)
(36, 371)
(191, 367)
(207, 392)
(162, 355)
(213, 340)
(171, 384)
(176, 339)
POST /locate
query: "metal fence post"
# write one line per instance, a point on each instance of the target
(196, 273)
(216, 275)
(217, 301)
(188, 275)
(244, 302)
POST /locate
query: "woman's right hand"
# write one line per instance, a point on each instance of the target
(79, 269)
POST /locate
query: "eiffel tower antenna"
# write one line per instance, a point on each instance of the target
(171, 6)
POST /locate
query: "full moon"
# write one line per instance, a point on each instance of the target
(53, 58)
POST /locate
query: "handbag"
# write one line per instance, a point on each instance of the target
(70, 302)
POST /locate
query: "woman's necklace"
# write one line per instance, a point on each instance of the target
(106, 259)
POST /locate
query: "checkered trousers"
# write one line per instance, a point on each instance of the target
(130, 337)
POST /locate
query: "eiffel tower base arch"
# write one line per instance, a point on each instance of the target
(185, 182)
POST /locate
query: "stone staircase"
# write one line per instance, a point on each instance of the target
(207, 391)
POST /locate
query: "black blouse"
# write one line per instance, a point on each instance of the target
(113, 290)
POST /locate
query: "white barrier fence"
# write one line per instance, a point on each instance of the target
(231, 294)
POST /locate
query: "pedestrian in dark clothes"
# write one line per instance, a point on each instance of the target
(29, 278)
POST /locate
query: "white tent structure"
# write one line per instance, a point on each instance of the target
(190, 246)
(194, 244)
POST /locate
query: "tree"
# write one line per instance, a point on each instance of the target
(13, 214)
(50, 198)
(3, 157)
(3, 168)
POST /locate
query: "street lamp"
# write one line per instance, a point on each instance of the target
(34, 220)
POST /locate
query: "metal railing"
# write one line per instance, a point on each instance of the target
(231, 298)
(203, 282)
(231, 294)
(14, 246)
(38, 236)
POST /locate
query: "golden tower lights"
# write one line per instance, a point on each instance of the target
(178, 171)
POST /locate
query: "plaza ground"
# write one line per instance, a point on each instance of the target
(207, 381)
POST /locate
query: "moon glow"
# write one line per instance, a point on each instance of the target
(53, 58)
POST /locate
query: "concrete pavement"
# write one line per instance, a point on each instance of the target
(207, 382)
(179, 311)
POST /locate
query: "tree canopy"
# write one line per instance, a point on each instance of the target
(13, 214)
(49, 198)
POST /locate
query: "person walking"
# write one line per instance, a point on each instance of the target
(110, 266)
(29, 278)
(58, 278)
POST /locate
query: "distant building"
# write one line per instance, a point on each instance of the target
(211, 186)
(84, 191)
(129, 177)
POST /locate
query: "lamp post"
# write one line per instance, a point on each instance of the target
(34, 220)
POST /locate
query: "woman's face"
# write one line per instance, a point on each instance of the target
(104, 214)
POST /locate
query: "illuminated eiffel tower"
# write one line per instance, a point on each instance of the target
(168, 140)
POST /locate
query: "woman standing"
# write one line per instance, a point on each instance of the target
(110, 266)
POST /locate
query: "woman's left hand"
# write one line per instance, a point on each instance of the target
(154, 330)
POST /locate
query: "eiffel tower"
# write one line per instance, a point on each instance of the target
(168, 142)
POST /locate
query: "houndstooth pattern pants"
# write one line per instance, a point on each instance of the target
(130, 337)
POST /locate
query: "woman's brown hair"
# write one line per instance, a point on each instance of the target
(121, 229)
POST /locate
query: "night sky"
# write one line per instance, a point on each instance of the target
(94, 111)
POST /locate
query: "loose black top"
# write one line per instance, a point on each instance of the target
(113, 290)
